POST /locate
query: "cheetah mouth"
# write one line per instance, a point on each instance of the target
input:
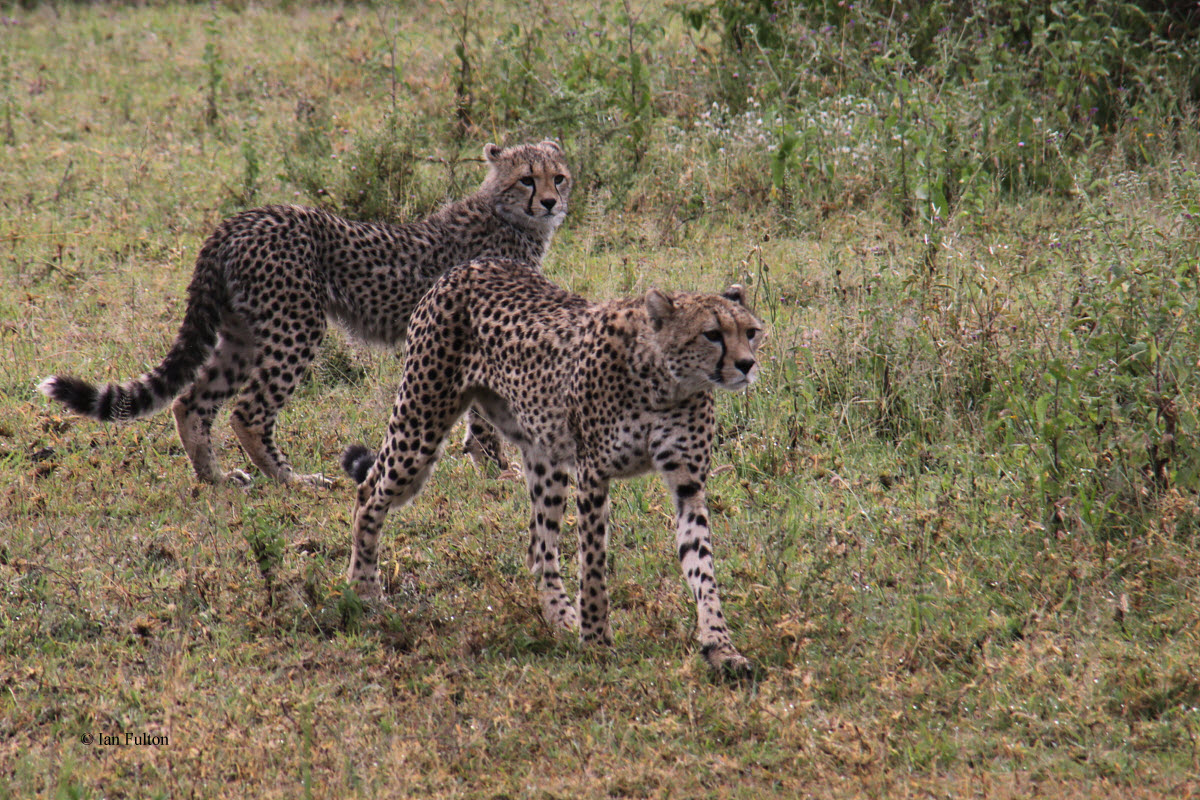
(544, 213)
(737, 383)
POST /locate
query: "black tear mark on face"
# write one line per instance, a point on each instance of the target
(717, 336)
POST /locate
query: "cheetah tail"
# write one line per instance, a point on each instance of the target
(207, 296)
(357, 461)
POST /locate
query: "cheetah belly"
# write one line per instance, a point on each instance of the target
(387, 329)
(548, 435)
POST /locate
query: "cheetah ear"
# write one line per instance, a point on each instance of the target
(660, 307)
(736, 292)
(492, 152)
(552, 145)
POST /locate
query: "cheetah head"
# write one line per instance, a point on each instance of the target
(529, 183)
(707, 339)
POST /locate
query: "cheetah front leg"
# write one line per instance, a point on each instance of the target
(685, 475)
(547, 498)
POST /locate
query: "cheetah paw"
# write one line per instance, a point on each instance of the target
(368, 590)
(596, 636)
(561, 621)
(569, 621)
(237, 478)
(316, 479)
(729, 662)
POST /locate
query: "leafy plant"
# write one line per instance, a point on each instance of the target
(6, 97)
(375, 178)
(266, 548)
(214, 66)
(245, 194)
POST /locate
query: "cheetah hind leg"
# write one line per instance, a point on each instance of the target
(195, 431)
(482, 442)
(381, 487)
(259, 443)
(194, 410)
(274, 376)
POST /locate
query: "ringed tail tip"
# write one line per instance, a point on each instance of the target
(77, 395)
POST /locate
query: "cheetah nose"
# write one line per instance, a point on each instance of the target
(549, 203)
(745, 365)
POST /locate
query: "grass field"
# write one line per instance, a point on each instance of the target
(956, 523)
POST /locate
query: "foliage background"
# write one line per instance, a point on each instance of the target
(957, 522)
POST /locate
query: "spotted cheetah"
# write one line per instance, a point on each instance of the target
(600, 391)
(267, 279)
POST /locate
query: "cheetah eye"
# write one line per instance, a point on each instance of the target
(751, 333)
(527, 180)
(558, 179)
(714, 336)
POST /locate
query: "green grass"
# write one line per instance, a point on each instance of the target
(956, 523)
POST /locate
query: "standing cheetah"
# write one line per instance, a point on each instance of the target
(601, 391)
(267, 279)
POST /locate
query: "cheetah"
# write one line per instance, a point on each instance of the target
(268, 279)
(597, 391)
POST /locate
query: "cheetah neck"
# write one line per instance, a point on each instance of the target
(473, 227)
(647, 365)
